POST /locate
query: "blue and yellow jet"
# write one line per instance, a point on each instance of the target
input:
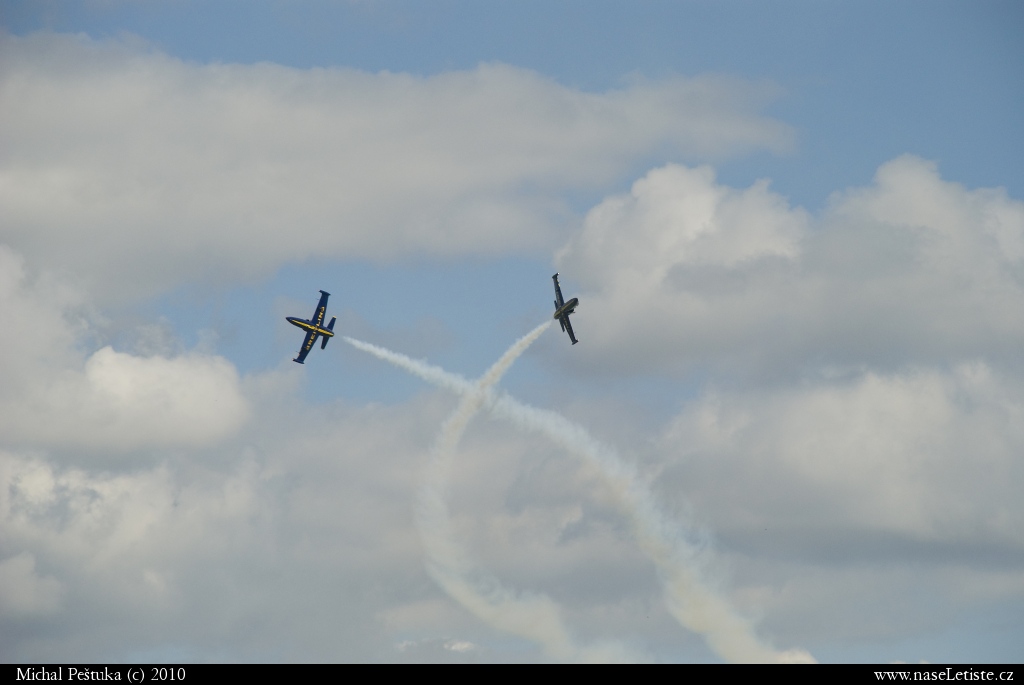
(314, 327)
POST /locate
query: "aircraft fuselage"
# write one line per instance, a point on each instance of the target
(310, 326)
(567, 308)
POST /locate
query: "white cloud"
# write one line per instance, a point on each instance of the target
(121, 402)
(867, 413)
(137, 172)
(23, 592)
(53, 395)
(864, 362)
(678, 216)
(854, 439)
(683, 273)
(296, 542)
(928, 456)
(862, 365)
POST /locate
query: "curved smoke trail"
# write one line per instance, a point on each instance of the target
(691, 600)
(535, 617)
(448, 563)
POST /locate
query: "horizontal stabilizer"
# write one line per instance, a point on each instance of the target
(324, 343)
(330, 326)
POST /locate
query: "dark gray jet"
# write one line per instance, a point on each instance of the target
(563, 309)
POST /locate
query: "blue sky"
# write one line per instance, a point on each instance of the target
(796, 230)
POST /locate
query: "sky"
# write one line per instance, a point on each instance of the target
(793, 428)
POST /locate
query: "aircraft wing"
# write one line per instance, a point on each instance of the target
(307, 345)
(558, 293)
(568, 328)
(318, 316)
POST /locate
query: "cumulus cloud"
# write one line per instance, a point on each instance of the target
(684, 273)
(864, 403)
(862, 361)
(138, 172)
(51, 394)
(141, 522)
(296, 541)
(927, 456)
(130, 401)
(22, 591)
(856, 395)
(256, 550)
(868, 354)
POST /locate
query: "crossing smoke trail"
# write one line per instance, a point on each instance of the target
(693, 603)
(535, 617)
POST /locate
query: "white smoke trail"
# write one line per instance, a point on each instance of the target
(448, 563)
(535, 617)
(691, 600)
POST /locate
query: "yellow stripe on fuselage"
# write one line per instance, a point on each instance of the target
(316, 329)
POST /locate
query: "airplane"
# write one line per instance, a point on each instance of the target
(314, 327)
(563, 309)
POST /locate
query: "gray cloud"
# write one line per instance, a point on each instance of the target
(23, 592)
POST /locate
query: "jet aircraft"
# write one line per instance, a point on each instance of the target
(314, 327)
(563, 309)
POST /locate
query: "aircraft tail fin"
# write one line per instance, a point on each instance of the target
(330, 327)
